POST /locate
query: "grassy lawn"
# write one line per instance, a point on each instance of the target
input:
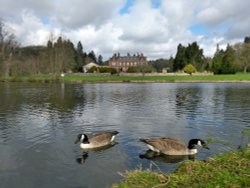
(114, 78)
(225, 170)
(205, 78)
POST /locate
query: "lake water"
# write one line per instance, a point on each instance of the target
(39, 124)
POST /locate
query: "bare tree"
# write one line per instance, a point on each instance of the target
(8, 45)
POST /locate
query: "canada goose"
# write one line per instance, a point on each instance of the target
(97, 140)
(173, 146)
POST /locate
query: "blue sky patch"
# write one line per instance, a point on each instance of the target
(126, 7)
(156, 3)
(129, 3)
(46, 21)
(199, 29)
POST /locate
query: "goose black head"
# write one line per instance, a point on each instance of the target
(83, 138)
(199, 142)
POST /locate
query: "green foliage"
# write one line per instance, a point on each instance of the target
(180, 59)
(140, 179)
(189, 69)
(224, 61)
(107, 70)
(93, 69)
(228, 61)
(80, 57)
(141, 69)
(247, 39)
(100, 60)
(92, 56)
(191, 54)
(160, 64)
(243, 55)
(133, 70)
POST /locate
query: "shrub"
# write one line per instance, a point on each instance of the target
(92, 69)
(189, 69)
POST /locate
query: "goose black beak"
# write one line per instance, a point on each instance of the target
(206, 147)
(77, 141)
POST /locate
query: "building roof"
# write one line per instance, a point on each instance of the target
(89, 65)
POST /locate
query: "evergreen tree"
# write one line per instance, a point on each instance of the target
(100, 60)
(180, 59)
(217, 61)
(228, 59)
(79, 57)
(92, 56)
(247, 39)
(195, 56)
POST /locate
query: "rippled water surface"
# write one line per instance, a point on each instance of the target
(39, 124)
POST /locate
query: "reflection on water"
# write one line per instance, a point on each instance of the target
(83, 158)
(87, 152)
(39, 122)
(150, 155)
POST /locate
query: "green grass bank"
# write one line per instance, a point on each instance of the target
(100, 78)
(230, 169)
(167, 78)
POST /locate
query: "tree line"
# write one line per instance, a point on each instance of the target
(60, 55)
(235, 58)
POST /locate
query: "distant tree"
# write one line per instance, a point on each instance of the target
(217, 61)
(8, 45)
(195, 56)
(133, 70)
(180, 59)
(160, 64)
(189, 69)
(110, 70)
(192, 54)
(80, 57)
(146, 68)
(100, 60)
(62, 56)
(243, 56)
(51, 56)
(92, 56)
(247, 39)
(228, 61)
(93, 69)
(70, 56)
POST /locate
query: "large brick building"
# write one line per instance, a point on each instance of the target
(122, 63)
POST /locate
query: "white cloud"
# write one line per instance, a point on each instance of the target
(77, 13)
(156, 32)
(30, 30)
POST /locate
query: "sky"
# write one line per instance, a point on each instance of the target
(152, 27)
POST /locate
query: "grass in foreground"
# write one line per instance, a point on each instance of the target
(225, 170)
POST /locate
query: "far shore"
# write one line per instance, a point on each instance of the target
(157, 78)
(134, 78)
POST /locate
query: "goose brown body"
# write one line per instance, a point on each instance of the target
(170, 146)
(96, 140)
